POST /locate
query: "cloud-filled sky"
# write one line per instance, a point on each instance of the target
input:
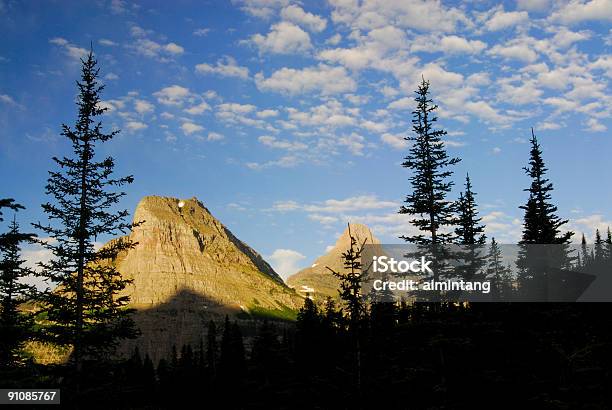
(287, 118)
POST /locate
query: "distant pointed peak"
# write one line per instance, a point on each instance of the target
(358, 231)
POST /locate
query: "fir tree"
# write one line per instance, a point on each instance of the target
(470, 233)
(584, 251)
(541, 224)
(429, 163)
(351, 280)
(15, 326)
(308, 337)
(85, 309)
(350, 292)
(469, 230)
(599, 247)
(499, 275)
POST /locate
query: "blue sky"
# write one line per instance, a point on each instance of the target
(286, 118)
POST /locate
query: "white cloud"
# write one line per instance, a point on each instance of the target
(284, 38)
(8, 100)
(322, 78)
(261, 8)
(134, 126)
(403, 103)
(273, 142)
(226, 67)
(354, 142)
(533, 5)
(486, 112)
(198, 109)
(297, 15)
(395, 141)
(423, 15)
(191, 128)
(172, 95)
(267, 113)
(118, 6)
(144, 46)
(201, 32)
(111, 77)
(576, 11)
(237, 108)
(503, 19)
(152, 49)
(288, 161)
(334, 40)
(143, 106)
(174, 48)
(514, 51)
(71, 50)
(588, 224)
(286, 261)
(458, 45)
(106, 42)
(215, 136)
(323, 219)
(350, 204)
(594, 125)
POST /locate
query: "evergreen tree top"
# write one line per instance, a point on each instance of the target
(469, 232)
(541, 224)
(429, 162)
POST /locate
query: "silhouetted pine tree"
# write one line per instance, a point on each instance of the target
(307, 337)
(499, 275)
(350, 292)
(469, 230)
(10, 204)
(15, 325)
(541, 225)
(429, 163)
(584, 252)
(85, 309)
(470, 234)
(599, 247)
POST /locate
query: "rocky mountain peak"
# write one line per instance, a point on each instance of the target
(187, 268)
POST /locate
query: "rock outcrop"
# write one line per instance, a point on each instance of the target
(316, 280)
(187, 268)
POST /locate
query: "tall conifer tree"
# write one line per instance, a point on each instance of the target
(599, 247)
(470, 234)
(85, 309)
(429, 163)
(584, 251)
(15, 326)
(541, 224)
(469, 230)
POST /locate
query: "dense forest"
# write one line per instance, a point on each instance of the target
(357, 352)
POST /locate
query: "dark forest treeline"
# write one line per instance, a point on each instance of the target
(359, 353)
